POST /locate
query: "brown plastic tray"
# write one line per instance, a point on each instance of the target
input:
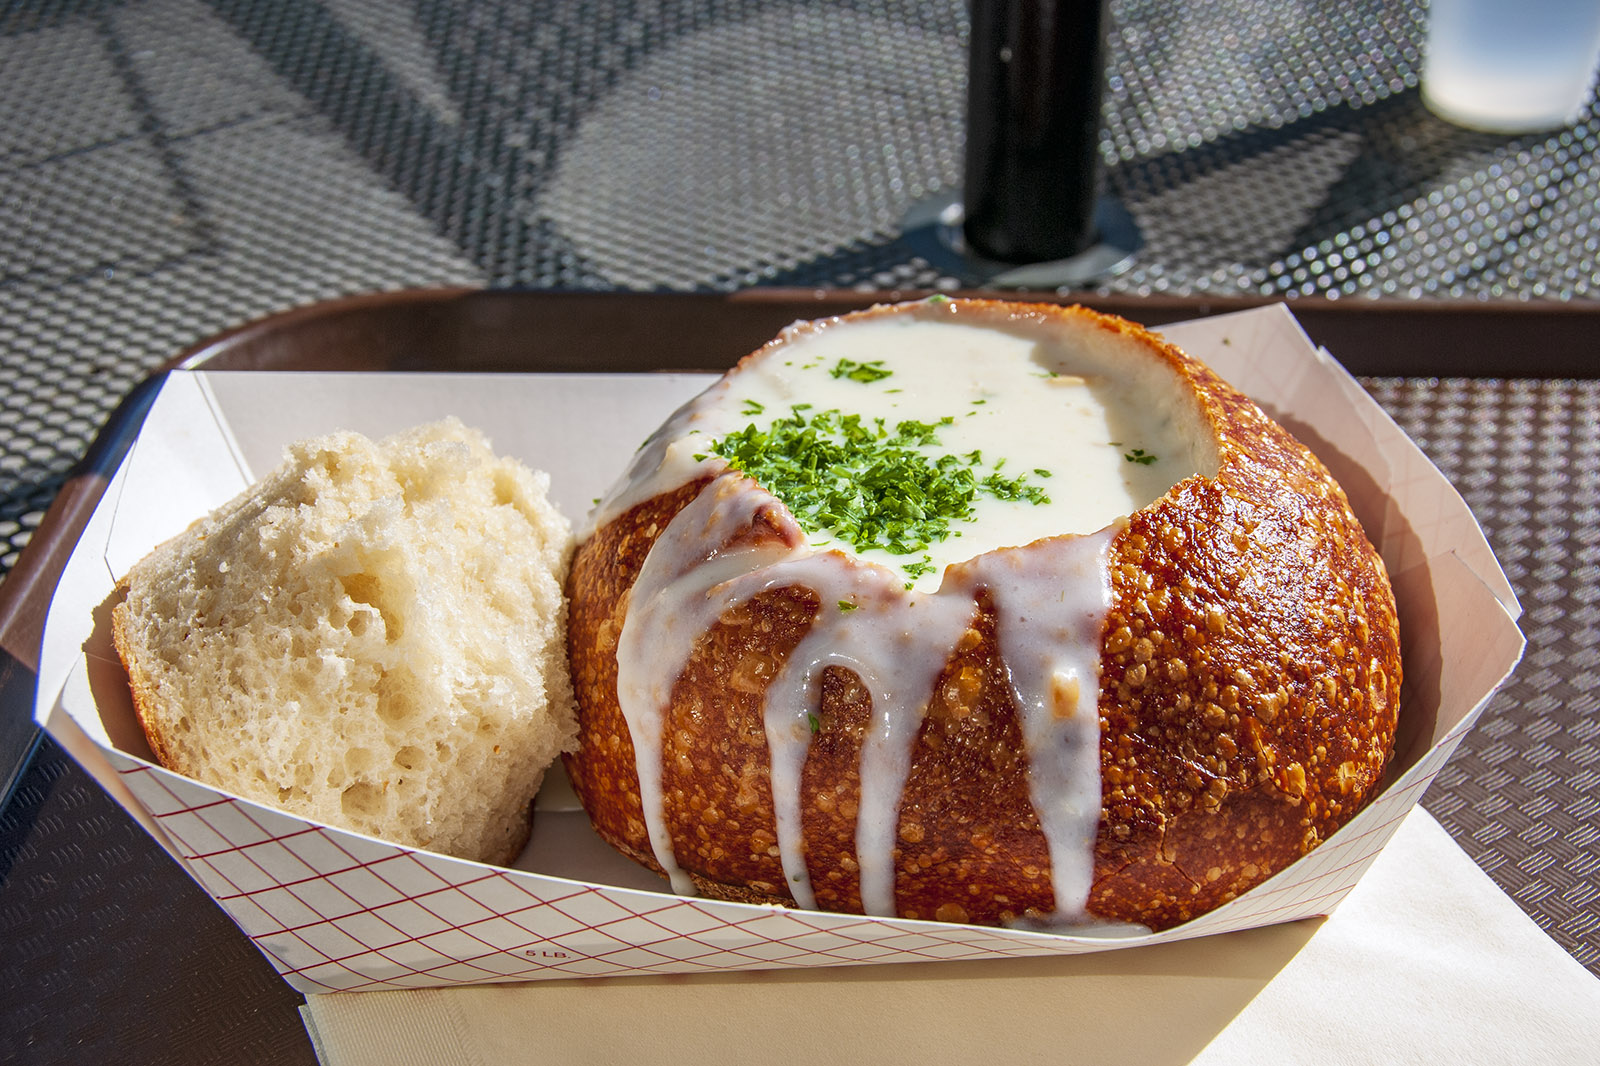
(458, 330)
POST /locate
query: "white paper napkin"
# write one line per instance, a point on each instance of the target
(1427, 961)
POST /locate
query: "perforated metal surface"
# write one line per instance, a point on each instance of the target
(169, 168)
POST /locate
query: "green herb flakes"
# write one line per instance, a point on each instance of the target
(1140, 456)
(869, 485)
(1013, 488)
(863, 372)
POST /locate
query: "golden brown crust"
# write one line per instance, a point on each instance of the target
(141, 685)
(1250, 677)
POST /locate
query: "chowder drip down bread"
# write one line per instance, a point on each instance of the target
(979, 612)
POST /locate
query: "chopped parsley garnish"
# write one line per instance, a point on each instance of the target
(751, 407)
(868, 485)
(846, 605)
(1013, 488)
(816, 723)
(1140, 456)
(914, 432)
(863, 372)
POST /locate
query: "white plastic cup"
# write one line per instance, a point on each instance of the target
(1511, 66)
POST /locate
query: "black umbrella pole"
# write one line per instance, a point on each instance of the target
(1037, 78)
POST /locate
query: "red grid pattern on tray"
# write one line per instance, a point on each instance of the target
(334, 911)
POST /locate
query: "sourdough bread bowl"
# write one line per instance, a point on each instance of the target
(1148, 659)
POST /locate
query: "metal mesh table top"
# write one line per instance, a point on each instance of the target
(172, 167)
(169, 168)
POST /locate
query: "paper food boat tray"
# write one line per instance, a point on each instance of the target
(334, 910)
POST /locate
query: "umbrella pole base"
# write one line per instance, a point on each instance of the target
(932, 230)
